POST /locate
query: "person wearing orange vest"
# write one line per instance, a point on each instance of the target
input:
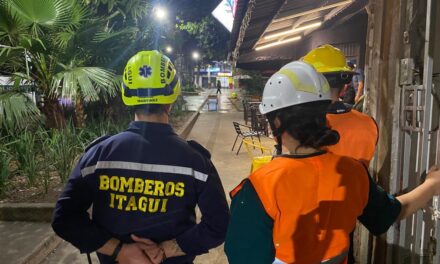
(300, 207)
(355, 128)
(358, 132)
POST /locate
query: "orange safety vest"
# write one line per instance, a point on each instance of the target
(358, 135)
(314, 203)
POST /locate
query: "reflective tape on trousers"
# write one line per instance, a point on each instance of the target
(124, 165)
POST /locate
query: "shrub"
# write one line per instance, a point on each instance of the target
(26, 154)
(5, 158)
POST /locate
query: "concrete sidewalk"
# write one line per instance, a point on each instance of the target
(214, 130)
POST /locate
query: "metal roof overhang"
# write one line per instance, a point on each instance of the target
(271, 24)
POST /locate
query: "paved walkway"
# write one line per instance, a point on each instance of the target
(215, 131)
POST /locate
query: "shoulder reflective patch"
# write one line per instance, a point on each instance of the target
(297, 83)
(124, 165)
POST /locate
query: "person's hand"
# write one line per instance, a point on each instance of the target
(357, 98)
(171, 248)
(433, 178)
(155, 253)
(132, 254)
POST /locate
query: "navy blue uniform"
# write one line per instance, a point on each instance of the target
(145, 181)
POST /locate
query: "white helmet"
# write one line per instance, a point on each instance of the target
(295, 83)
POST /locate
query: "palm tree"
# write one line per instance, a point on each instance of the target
(41, 40)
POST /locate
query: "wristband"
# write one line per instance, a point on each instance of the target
(117, 250)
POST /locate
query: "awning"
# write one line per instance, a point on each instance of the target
(267, 25)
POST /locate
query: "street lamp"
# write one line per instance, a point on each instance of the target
(160, 12)
(168, 49)
(195, 55)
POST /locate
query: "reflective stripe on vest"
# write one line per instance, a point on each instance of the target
(124, 165)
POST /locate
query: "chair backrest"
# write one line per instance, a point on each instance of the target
(237, 128)
(256, 149)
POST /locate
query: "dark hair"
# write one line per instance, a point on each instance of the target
(149, 109)
(306, 123)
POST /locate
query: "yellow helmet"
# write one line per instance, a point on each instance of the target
(150, 78)
(327, 59)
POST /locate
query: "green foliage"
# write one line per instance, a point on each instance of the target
(189, 88)
(5, 158)
(91, 83)
(26, 154)
(209, 35)
(16, 111)
(254, 85)
(52, 43)
(179, 107)
(63, 147)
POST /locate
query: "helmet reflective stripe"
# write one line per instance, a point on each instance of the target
(300, 86)
(149, 92)
(296, 83)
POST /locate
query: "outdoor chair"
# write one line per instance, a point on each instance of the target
(253, 149)
(243, 134)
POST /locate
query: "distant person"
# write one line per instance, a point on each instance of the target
(357, 81)
(348, 94)
(219, 86)
(301, 207)
(144, 184)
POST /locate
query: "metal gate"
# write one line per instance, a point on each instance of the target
(413, 138)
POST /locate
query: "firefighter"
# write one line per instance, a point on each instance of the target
(145, 182)
(300, 207)
(355, 128)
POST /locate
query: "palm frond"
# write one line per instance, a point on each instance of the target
(109, 35)
(90, 83)
(11, 26)
(44, 12)
(62, 39)
(16, 110)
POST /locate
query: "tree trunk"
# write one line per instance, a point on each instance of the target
(80, 116)
(54, 114)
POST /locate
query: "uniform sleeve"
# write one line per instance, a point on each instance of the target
(71, 221)
(382, 210)
(249, 237)
(211, 230)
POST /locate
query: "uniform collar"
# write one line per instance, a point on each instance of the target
(302, 156)
(338, 108)
(150, 128)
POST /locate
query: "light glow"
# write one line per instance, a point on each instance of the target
(160, 13)
(196, 55)
(169, 49)
(295, 30)
(277, 43)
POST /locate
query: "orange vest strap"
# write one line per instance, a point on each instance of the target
(237, 189)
